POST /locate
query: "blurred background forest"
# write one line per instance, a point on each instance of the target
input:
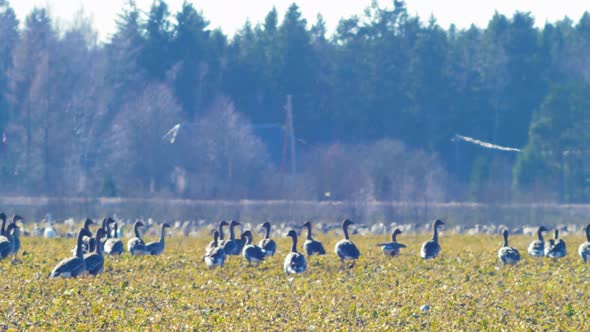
(170, 108)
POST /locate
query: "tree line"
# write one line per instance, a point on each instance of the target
(376, 107)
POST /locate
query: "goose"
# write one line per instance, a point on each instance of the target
(294, 262)
(216, 242)
(15, 237)
(345, 249)
(3, 228)
(73, 266)
(157, 247)
(392, 248)
(252, 253)
(49, 231)
(88, 241)
(231, 246)
(135, 245)
(311, 246)
(584, 249)
(215, 256)
(507, 254)
(557, 249)
(94, 261)
(5, 242)
(431, 248)
(536, 248)
(113, 246)
(267, 244)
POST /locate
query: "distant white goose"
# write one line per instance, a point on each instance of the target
(431, 248)
(345, 249)
(294, 262)
(584, 249)
(392, 248)
(537, 247)
(507, 254)
(49, 231)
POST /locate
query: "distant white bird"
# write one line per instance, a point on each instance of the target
(49, 232)
(171, 134)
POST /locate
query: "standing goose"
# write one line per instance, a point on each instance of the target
(267, 244)
(157, 247)
(135, 245)
(15, 237)
(345, 249)
(88, 241)
(311, 246)
(584, 249)
(5, 242)
(431, 248)
(557, 248)
(216, 242)
(216, 255)
(507, 254)
(95, 260)
(537, 247)
(73, 266)
(252, 253)
(294, 262)
(392, 248)
(231, 246)
(113, 246)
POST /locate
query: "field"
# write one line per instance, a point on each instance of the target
(465, 288)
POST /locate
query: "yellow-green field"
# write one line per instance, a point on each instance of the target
(464, 287)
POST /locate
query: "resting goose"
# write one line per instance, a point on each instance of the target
(537, 247)
(216, 255)
(251, 252)
(507, 254)
(135, 245)
(95, 260)
(392, 248)
(311, 246)
(231, 246)
(294, 262)
(584, 249)
(113, 246)
(557, 248)
(431, 248)
(88, 242)
(73, 266)
(267, 244)
(345, 249)
(157, 247)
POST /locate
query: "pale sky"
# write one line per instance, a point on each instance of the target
(230, 15)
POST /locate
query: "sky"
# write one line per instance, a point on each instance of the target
(230, 15)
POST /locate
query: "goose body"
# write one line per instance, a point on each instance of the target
(5, 242)
(557, 248)
(232, 246)
(392, 248)
(507, 254)
(113, 246)
(216, 255)
(430, 249)
(311, 246)
(135, 245)
(95, 261)
(73, 266)
(294, 262)
(537, 247)
(252, 253)
(584, 249)
(345, 249)
(157, 247)
(267, 244)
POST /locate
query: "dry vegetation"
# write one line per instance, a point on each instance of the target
(465, 289)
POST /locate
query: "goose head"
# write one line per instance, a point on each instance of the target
(88, 222)
(347, 222)
(292, 233)
(223, 223)
(17, 218)
(247, 237)
(543, 229)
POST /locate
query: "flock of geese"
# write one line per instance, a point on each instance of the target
(89, 252)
